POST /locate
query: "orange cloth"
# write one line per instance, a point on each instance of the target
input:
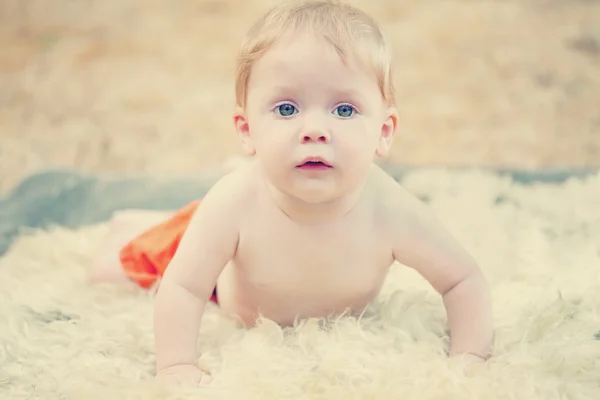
(146, 257)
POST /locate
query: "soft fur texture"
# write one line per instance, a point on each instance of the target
(538, 246)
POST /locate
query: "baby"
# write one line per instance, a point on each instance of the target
(310, 226)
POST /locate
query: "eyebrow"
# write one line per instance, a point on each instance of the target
(348, 93)
(280, 89)
(343, 94)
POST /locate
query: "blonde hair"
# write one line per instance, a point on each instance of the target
(350, 31)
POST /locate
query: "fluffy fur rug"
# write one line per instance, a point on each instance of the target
(538, 245)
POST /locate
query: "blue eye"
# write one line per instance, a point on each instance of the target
(345, 111)
(286, 109)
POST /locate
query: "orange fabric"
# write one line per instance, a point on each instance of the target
(146, 257)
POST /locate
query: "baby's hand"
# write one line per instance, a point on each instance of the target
(470, 362)
(183, 375)
(472, 359)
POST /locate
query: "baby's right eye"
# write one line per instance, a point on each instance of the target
(285, 109)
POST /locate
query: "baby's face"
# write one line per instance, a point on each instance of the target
(314, 122)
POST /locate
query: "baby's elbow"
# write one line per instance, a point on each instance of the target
(472, 279)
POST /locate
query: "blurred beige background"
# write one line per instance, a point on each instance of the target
(147, 85)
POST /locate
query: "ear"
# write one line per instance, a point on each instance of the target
(240, 121)
(388, 130)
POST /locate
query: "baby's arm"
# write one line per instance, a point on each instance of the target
(421, 242)
(208, 244)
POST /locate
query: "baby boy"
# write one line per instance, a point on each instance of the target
(310, 226)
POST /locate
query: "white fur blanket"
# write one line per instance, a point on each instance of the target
(538, 245)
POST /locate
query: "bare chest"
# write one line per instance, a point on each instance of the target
(343, 266)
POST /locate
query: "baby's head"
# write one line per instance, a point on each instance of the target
(314, 83)
(351, 32)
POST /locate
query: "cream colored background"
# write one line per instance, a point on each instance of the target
(147, 85)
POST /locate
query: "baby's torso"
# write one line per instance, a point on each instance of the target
(283, 270)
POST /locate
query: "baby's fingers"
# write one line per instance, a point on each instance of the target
(205, 379)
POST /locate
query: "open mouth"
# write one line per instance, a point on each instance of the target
(314, 165)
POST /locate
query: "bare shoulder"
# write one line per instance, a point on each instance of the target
(231, 192)
(223, 207)
(397, 207)
(418, 238)
(402, 213)
(212, 235)
(226, 203)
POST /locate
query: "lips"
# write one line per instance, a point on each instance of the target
(314, 163)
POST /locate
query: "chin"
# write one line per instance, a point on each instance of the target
(314, 196)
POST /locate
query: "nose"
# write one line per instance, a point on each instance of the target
(314, 129)
(315, 136)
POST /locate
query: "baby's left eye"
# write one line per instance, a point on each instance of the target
(345, 111)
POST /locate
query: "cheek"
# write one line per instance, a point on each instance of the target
(270, 138)
(357, 137)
